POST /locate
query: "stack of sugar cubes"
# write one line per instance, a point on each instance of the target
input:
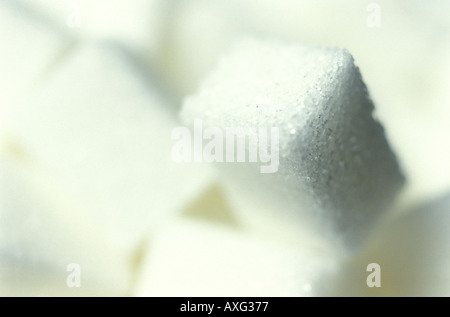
(210, 148)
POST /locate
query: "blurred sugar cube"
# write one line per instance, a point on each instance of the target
(20, 32)
(137, 25)
(103, 133)
(413, 254)
(191, 258)
(42, 233)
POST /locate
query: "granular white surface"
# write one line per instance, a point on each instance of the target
(336, 168)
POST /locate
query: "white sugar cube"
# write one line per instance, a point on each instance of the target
(413, 113)
(102, 131)
(412, 253)
(334, 175)
(191, 258)
(30, 47)
(138, 24)
(210, 27)
(39, 248)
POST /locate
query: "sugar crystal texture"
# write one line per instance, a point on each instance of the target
(336, 172)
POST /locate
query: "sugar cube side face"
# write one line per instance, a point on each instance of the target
(336, 173)
(101, 131)
(21, 30)
(192, 258)
(409, 256)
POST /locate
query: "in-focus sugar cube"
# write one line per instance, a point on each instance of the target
(336, 174)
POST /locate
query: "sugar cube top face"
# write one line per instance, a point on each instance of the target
(336, 172)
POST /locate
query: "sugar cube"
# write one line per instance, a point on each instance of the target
(102, 131)
(191, 258)
(39, 246)
(412, 254)
(20, 30)
(334, 174)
